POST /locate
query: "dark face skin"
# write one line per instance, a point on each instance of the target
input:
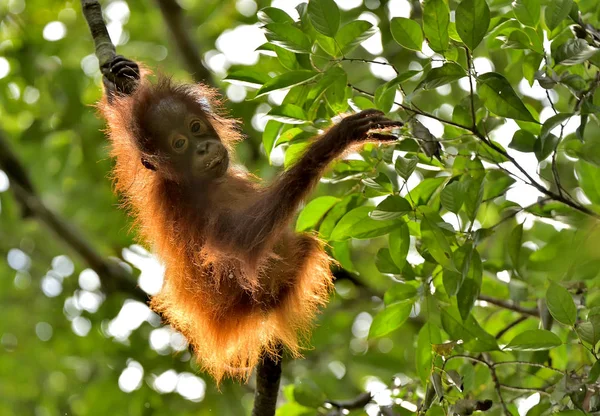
(188, 139)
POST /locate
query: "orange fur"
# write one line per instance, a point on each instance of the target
(233, 301)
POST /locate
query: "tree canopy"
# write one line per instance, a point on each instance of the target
(468, 271)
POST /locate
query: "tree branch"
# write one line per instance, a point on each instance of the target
(173, 15)
(357, 402)
(268, 376)
(114, 277)
(509, 305)
(105, 50)
(475, 132)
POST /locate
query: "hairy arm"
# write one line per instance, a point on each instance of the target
(260, 221)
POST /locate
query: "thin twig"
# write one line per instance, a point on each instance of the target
(527, 363)
(509, 305)
(497, 386)
(495, 147)
(471, 95)
(510, 326)
(358, 402)
(370, 61)
(521, 389)
(514, 214)
(175, 20)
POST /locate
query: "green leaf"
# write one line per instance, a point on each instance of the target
(453, 196)
(473, 196)
(342, 252)
(353, 34)
(248, 77)
(293, 153)
(399, 292)
(594, 373)
(384, 98)
(500, 98)
(288, 37)
(573, 52)
(471, 286)
(475, 337)
(286, 58)
(405, 166)
(399, 242)
(517, 40)
(352, 166)
(436, 381)
(531, 63)
(358, 224)
(269, 136)
(421, 194)
(553, 122)
(324, 16)
(273, 15)
(589, 180)
(404, 76)
(442, 75)
(428, 335)
(534, 340)
(589, 332)
(472, 21)
(561, 305)
(308, 393)
(336, 213)
(335, 93)
(545, 146)
(515, 240)
(435, 241)
(407, 33)
(436, 19)
(527, 11)
(452, 281)
(381, 184)
(536, 39)
(392, 207)
(575, 82)
(556, 11)
(314, 211)
(496, 184)
(286, 80)
(384, 262)
(363, 102)
(294, 133)
(289, 114)
(523, 141)
(391, 318)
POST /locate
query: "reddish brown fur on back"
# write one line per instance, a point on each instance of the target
(232, 306)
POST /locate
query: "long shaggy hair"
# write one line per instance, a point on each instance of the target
(232, 306)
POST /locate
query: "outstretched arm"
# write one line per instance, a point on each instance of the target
(278, 203)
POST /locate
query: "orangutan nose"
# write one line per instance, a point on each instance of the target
(202, 148)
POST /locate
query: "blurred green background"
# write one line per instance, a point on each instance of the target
(73, 345)
(58, 353)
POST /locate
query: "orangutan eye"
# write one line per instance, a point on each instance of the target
(196, 126)
(179, 143)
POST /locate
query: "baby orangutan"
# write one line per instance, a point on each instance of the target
(239, 281)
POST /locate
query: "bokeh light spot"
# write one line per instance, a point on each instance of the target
(4, 67)
(54, 31)
(43, 330)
